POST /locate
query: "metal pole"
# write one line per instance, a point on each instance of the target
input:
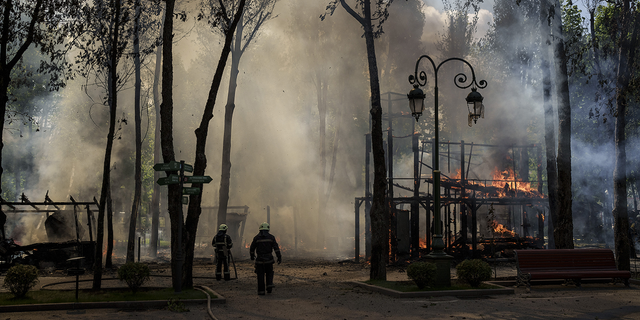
(367, 195)
(415, 205)
(438, 243)
(357, 231)
(393, 241)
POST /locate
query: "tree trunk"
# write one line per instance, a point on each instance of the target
(157, 157)
(379, 209)
(549, 123)
(166, 141)
(193, 216)
(563, 227)
(225, 175)
(626, 52)
(135, 207)
(108, 261)
(106, 175)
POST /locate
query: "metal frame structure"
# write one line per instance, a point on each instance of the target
(468, 195)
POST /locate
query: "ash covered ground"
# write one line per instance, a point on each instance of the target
(316, 288)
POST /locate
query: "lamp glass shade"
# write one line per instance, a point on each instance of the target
(475, 106)
(416, 102)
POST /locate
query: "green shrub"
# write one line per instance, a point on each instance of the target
(473, 272)
(422, 273)
(135, 274)
(20, 279)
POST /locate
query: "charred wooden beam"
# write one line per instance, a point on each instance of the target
(3, 202)
(26, 200)
(48, 200)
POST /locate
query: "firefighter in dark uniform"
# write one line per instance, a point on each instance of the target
(222, 243)
(262, 245)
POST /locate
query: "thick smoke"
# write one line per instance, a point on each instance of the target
(275, 144)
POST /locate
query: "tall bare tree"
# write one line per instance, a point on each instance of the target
(371, 21)
(166, 142)
(228, 17)
(628, 35)
(549, 119)
(256, 13)
(101, 57)
(563, 225)
(137, 194)
(141, 25)
(157, 153)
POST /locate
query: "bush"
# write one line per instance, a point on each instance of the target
(20, 279)
(422, 273)
(135, 274)
(473, 272)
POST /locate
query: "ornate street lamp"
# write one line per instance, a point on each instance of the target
(416, 101)
(475, 106)
(476, 110)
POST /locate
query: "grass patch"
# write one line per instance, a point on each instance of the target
(104, 295)
(410, 286)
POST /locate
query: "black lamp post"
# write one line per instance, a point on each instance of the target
(476, 110)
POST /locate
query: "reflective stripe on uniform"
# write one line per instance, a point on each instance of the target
(264, 240)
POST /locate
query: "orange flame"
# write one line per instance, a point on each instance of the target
(507, 184)
(500, 230)
(423, 243)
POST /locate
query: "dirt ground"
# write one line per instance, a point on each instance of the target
(320, 289)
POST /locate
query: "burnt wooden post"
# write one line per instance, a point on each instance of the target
(429, 216)
(269, 215)
(89, 224)
(541, 226)
(463, 206)
(393, 223)
(474, 227)
(539, 171)
(244, 222)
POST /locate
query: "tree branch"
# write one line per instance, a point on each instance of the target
(29, 40)
(224, 13)
(354, 14)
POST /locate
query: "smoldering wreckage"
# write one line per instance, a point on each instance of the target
(65, 231)
(492, 203)
(481, 218)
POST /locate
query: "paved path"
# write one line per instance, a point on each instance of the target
(318, 290)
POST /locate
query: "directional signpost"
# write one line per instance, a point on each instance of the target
(190, 191)
(172, 166)
(180, 179)
(171, 179)
(197, 179)
(169, 166)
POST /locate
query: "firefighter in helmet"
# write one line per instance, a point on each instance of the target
(262, 245)
(222, 244)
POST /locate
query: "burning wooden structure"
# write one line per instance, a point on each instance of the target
(486, 218)
(64, 228)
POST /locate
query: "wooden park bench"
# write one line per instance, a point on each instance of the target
(567, 264)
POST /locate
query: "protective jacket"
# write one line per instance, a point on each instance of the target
(262, 245)
(222, 243)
